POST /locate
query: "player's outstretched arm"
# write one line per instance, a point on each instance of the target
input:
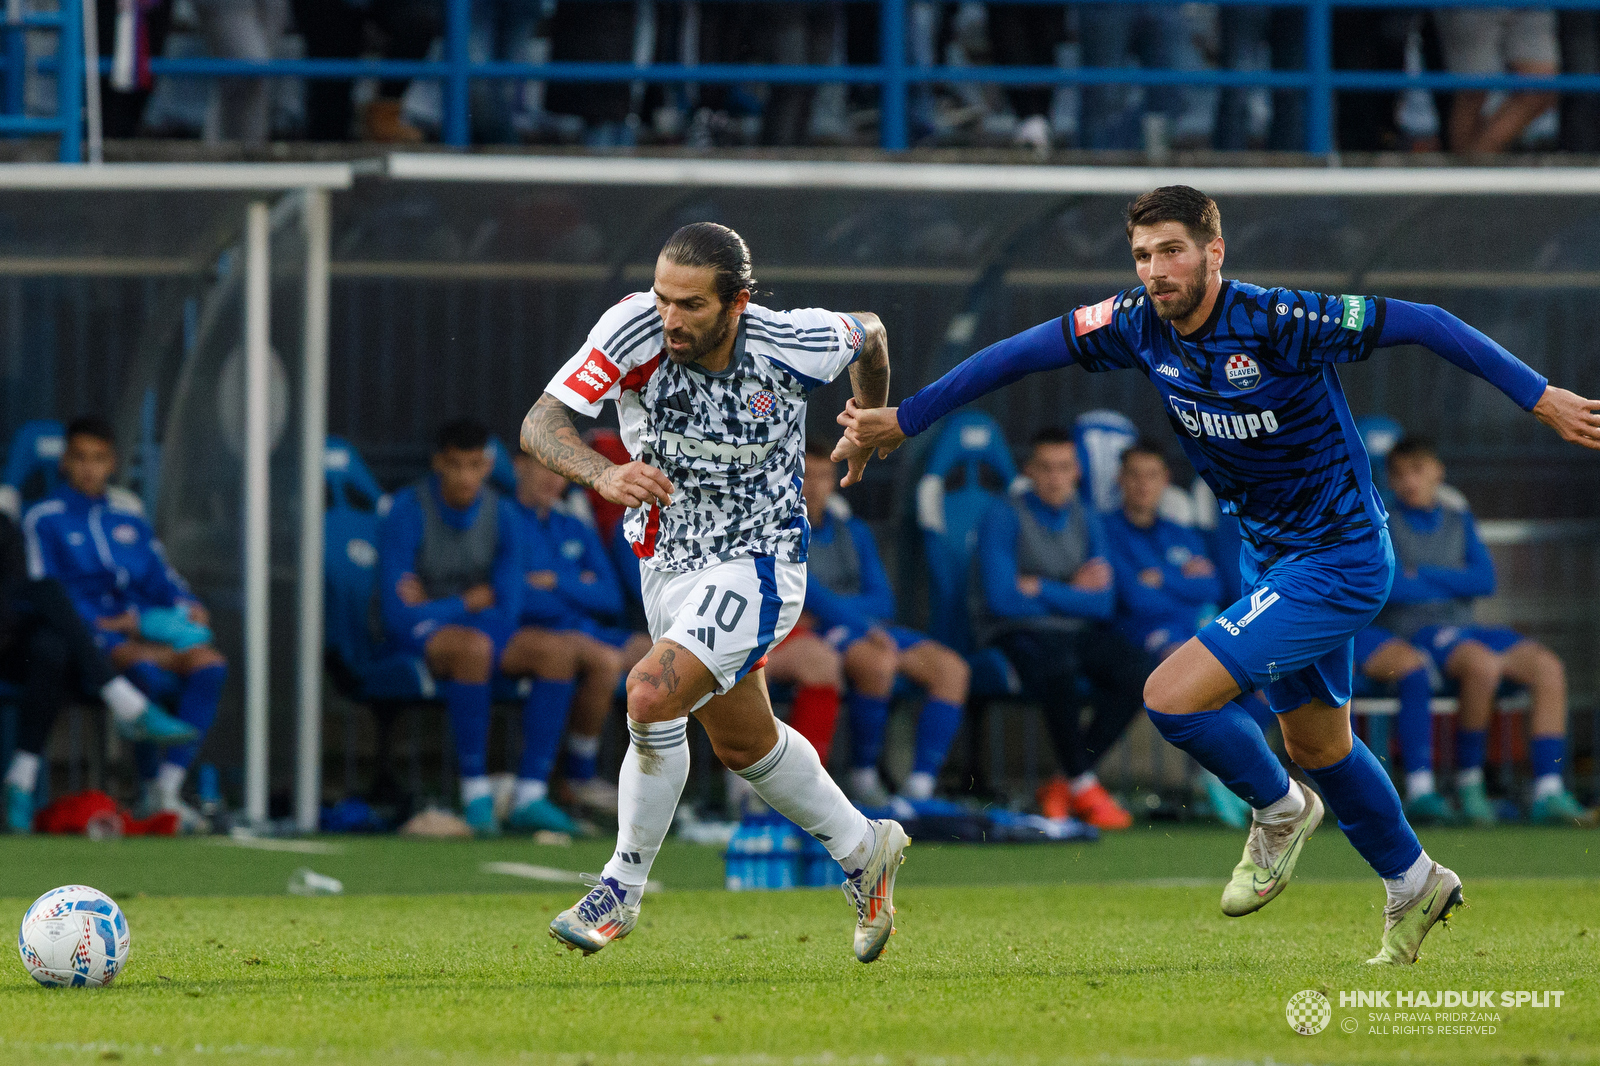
(869, 379)
(1572, 416)
(550, 437)
(1044, 347)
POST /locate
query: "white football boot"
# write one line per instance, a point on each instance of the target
(597, 919)
(872, 890)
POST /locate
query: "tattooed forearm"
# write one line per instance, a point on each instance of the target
(869, 374)
(550, 437)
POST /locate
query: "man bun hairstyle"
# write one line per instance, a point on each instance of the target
(91, 426)
(465, 434)
(1177, 203)
(707, 244)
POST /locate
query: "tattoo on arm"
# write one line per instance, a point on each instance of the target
(869, 374)
(550, 437)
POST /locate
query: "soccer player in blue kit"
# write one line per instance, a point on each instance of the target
(1249, 383)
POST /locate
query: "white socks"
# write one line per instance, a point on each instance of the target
(1083, 781)
(473, 788)
(864, 781)
(1284, 810)
(583, 747)
(126, 702)
(918, 786)
(791, 778)
(743, 798)
(530, 791)
(653, 775)
(1470, 776)
(1547, 785)
(24, 771)
(1419, 783)
(169, 781)
(1409, 885)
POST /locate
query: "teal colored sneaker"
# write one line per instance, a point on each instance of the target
(1562, 808)
(1430, 808)
(159, 728)
(479, 816)
(1476, 807)
(19, 810)
(1405, 926)
(1229, 809)
(542, 814)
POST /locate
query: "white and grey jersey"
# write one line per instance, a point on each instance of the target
(732, 443)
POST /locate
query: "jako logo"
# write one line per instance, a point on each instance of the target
(675, 444)
(1225, 427)
(1169, 371)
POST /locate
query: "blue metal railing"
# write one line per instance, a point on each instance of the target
(67, 123)
(893, 75)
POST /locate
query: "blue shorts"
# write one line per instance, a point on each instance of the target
(415, 642)
(1440, 642)
(841, 637)
(1293, 633)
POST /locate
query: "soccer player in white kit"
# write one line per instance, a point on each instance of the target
(711, 396)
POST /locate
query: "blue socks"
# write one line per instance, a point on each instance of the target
(936, 728)
(1472, 748)
(583, 757)
(202, 691)
(1545, 753)
(468, 708)
(1229, 744)
(1364, 800)
(544, 719)
(869, 717)
(1415, 721)
(161, 686)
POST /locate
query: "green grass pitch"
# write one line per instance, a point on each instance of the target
(1106, 953)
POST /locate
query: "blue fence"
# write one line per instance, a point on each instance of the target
(892, 74)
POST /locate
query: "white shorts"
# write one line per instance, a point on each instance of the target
(729, 615)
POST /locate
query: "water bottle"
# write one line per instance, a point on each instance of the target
(209, 790)
(762, 854)
(818, 869)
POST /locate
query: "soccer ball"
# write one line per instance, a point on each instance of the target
(74, 936)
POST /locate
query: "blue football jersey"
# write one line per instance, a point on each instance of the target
(1255, 400)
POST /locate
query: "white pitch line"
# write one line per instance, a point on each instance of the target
(530, 872)
(303, 847)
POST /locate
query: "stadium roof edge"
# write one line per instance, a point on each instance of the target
(968, 177)
(158, 177)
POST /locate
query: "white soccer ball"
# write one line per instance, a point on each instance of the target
(74, 936)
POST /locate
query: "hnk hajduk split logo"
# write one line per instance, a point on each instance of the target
(1308, 1012)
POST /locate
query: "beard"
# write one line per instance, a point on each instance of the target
(1189, 298)
(703, 345)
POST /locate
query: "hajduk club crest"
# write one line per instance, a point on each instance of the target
(763, 403)
(1243, 373)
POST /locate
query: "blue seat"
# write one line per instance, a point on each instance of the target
(32, 465)
(1102, 436)
(503, 475)
(357, 662)
(968, 469)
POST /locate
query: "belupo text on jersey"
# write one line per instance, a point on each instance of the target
(1202, 423)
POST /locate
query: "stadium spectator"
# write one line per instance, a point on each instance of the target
(849, 600)
(506, 31)
(1156, 36)
(599, 32)
(1245, 32)
(572, 589)
(1027, 35)
(339, 29)
(1042, 592)
(1386, 659)
(450, 580)
(242, 29)
(805, 34)
(1369, 39)
(1496, 41)
(130, 33)
(145, 619)
(1442, 567)
(48, 652)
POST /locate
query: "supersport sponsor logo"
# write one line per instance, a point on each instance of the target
(594, 378)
